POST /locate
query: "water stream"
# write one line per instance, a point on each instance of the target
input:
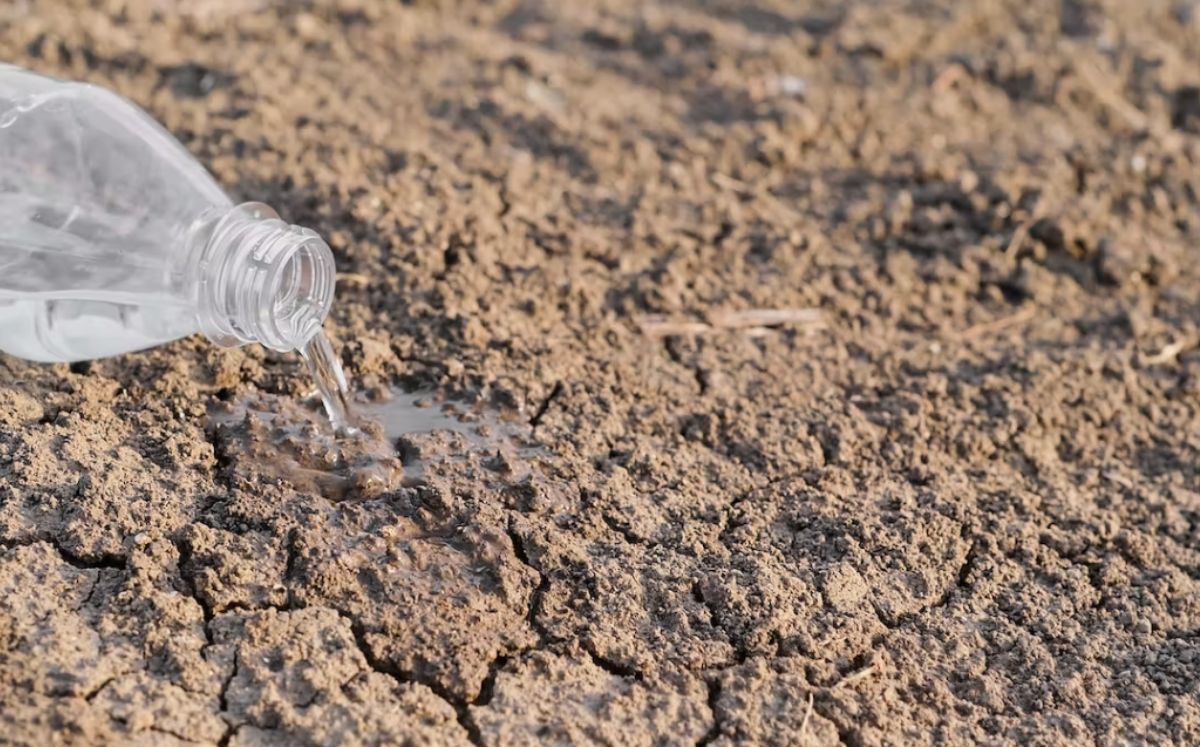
(330, 380)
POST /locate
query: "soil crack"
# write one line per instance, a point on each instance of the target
(669, 347)
(168, 732)
(229, 734)
(104, 560)
(487, 689)
(91, 695)
(187, 580)
(461, 707)
(741, 652)
(535, 599)
(289, 568)
(714, 695)
(223, 695)
(545, 405)
(111, 561)
(613, 667)
(624, 531)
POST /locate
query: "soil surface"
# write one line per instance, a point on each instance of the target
(961, 507)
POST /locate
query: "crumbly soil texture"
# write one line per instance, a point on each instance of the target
(959, 506)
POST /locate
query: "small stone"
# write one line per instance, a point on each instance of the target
(309, 27)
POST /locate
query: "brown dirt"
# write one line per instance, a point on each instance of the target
(965, 510)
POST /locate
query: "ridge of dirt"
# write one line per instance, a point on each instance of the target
(962, 509)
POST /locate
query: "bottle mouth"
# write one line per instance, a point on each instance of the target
(264, 281)
(300, 293)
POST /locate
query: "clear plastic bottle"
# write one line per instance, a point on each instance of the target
(113, 238)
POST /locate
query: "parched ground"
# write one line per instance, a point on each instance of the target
(963, 509)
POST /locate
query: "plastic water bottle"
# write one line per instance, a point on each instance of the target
(113, 238)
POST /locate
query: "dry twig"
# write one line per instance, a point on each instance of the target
(657, 325)
(804, 724)
(353, 278)
(997, 325)
(1106, 90)
(853, 677)
(1018, 238)
(1170, 352)
(750, 322)
(765, 318)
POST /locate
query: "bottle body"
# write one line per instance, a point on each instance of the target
(57, 331)
(113, 238)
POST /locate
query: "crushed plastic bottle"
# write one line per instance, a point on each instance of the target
(113, 238)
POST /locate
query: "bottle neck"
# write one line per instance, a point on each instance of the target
(255, 278)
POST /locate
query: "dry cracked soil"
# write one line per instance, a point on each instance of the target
(961, 507)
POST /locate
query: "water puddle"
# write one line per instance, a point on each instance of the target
(373, 446)
(406, 414)
(391, 444)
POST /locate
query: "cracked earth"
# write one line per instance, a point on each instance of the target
(961, 507)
